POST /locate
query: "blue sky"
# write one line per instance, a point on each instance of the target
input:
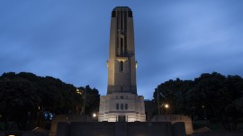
(69, 39)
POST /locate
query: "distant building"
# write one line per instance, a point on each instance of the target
(122, 102)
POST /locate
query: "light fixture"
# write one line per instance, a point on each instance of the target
(94, 115)
(166, 106)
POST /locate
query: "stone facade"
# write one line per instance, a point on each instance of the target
(127, 105)
(122, 102)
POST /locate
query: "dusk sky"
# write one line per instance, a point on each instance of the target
(69, 39)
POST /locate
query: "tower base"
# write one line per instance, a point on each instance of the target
(124, 107)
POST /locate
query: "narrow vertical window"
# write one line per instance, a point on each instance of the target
(122, 20)
(113, 14)
(129, 13)
(126, 106)
(121, 106)
(118, 20)
(121, 66)
(122, 50)
(117, 46)
(125, 20)
(117, 106)
(125, 45)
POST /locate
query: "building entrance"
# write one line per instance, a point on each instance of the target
(122, 118)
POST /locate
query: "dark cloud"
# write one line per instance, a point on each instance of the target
(70, 39)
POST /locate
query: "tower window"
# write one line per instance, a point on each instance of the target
(122, 20)
(125, 20)
(121, 66)
(121, 50)
(117, 46)
(118, 20)
(126, 106)
(113, 14)
(129, 13)
(117, 106)
(125, 45)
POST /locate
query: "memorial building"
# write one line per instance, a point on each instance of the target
(122, 110)
(122, 102)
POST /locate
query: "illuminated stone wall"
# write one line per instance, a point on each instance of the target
(128, 105)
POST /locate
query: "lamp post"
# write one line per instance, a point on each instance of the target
(84, 97)
(204, 112)
(165, 106)
(158, 101)
(79, 107)
(84, 100)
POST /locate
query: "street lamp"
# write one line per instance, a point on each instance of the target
(84, 100)
(166, 106)
(204, 112)
(83, 93)
(78, 91)
(158, 100)
(94, 115)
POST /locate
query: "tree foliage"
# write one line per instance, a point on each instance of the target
(25, 98)
(92, 100)
(208, 97)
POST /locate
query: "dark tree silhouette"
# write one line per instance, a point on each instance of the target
(210, 96)
(25, 98)
(92, 100)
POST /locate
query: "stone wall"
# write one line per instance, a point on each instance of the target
(26, 133)
(92, 129)
(174, 119)
(149, 128)
(67, 119)
(120, 129)
(225, 133)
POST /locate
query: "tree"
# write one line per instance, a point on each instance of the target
(92, 99)
(209, 96)
(25, 98)
(17, 99)
(172, 92)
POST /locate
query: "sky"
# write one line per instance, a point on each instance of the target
(69, 39)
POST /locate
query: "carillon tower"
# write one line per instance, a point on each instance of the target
(121, 63)
(121, 102)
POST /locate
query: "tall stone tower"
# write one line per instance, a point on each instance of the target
(122, 102)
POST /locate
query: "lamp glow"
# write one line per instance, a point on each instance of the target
(94, 115)
(166, 106)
